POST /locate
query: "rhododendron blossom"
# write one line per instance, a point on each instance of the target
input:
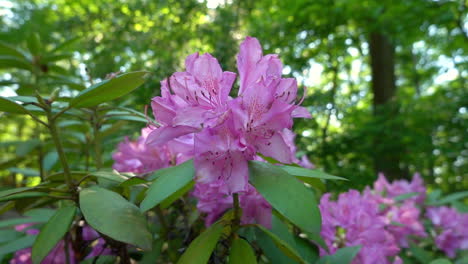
(228, 132)
(58, 253)
(354, 220)
(451, 227)
(139, 158)
(400, 187)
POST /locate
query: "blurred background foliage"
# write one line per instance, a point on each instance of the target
(385, 80)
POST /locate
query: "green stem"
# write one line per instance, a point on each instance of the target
(165, 233)
(58, 145)
(237, 216)
(96, 141)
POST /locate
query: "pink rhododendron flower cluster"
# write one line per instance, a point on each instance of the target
(451, 228)
(58, 253)
(383, 225)
(226, 132)
(402, 218)
(354, 220)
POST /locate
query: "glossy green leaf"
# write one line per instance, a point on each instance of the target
(441, 261)
(419, 253)
(287, 195)
(7, 50)
(450, 198)
(241, 252)
(405, 196)
(17, 244)
(14, 190)
(52, 232)
(50, 159)
(308, 173)
(199, 251)
(34, 43)
(168, 181)
(7, 105)
(112, 215)
(342, 256)
(282, 245)
(26, 147)
(133, 181)
(7, 62)
(22, 195)
(109, 89)
(9, 235)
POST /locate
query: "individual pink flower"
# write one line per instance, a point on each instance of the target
(214, 202)
(451, 228)
(265, 103)
(354, 220)
(58, 253)
(400, 187)
(139, 158)
(198, 99)
(404, 221)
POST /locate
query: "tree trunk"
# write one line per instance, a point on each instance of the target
(388, 147)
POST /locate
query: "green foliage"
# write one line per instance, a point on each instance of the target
(200, 249)
(108, 90)
(112, 215)
(52, 232)
(286, 195)
(170, 184)
(342, 255)
(241, 252)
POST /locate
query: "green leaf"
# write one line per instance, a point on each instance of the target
(28, 172)
(241, 252)
(6, 105)
(34, 44)
(17, 244)
(287, 195)
(56, 57)
(112, 215)
(302, 173)
(7, 50)
(52, 232)
(109, 89)
(450, 198)
(14, 62)
(23, 195)
(133, 181)
(303, 247)
(419, 253)
(50, 159)
(441, 261)
(9, 235)
(199, 251)
(287, 249)
(66, 44)
(342, 256)
(27, 146)
(168, 181)
(405, 196)
(15, 190)
(152, 256)
(109, 175)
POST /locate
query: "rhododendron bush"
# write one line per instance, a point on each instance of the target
(213, 178)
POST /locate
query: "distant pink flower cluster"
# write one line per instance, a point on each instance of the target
(403, 218)
(382, 221)
(355, 220)
(451, 229)
(58, 253)
(225, 132)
